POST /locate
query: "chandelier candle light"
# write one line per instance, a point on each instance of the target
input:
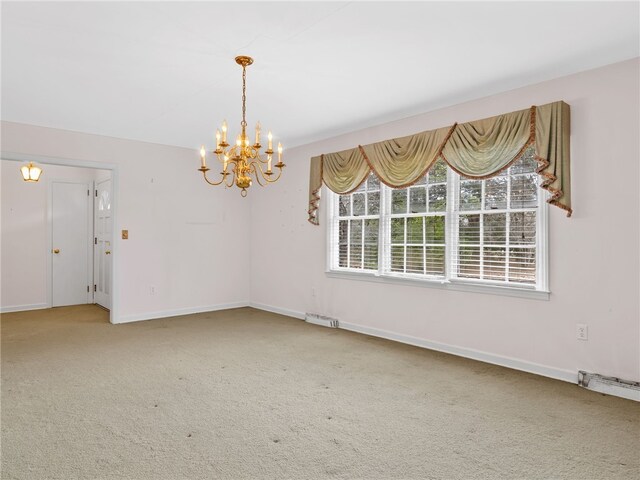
(243, 160)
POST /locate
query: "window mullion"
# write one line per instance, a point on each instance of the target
(363, 220)
(542, 239)
(349, 242)
(336, 234)
(424, 244)
(383, 228)
(507, 257)
(333, 236)
(451, 224)
(364, 223)
(404, 246)
(427, 209)
(481, 242)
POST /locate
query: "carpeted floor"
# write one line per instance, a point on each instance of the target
(245, 394)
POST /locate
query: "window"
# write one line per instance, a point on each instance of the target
(359, 226)
(417, 224)
(445, 229)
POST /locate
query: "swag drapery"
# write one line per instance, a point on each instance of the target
(478, 149)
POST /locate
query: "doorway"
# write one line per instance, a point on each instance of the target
(34, 290)
(81, 226)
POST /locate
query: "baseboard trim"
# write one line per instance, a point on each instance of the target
(514, 363)
(24, 308)
(178, 312)
(282, 311)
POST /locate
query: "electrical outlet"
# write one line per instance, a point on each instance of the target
(313, 291)
(582, 331)
(152, 290)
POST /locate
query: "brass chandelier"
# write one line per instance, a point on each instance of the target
(243, 160)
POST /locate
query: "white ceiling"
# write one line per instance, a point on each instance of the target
(164, 72)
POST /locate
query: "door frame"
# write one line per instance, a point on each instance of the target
(69, 162)
(94, 247)
(89, 237)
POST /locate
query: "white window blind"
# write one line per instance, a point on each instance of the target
(445, 228)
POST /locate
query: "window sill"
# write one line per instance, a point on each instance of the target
(455, 285)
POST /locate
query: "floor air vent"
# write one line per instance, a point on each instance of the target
(609, 385)
(321, 320)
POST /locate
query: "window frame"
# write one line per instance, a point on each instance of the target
(539, 290)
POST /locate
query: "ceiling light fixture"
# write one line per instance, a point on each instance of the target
(31, 173)
(245, 159)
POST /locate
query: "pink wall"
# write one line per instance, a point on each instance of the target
(182, 232)
(594, 255)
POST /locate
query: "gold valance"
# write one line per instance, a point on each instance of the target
(478, 149)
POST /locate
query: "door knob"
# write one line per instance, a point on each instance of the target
(56, 250)
(108, 252)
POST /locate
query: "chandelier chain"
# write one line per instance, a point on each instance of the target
(244, 99)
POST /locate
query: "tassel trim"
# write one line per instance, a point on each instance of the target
(547, 179)
(315, 199)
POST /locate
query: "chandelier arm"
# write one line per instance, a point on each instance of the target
(278, 177)
(213, 183)
(231, 177)
(262, 160)
(257, 172)
(265, 176)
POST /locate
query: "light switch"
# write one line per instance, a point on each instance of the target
(125, 234)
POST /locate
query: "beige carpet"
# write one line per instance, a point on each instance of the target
(248, 394)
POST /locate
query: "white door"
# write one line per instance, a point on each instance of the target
(103, 238)
(71, 242)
